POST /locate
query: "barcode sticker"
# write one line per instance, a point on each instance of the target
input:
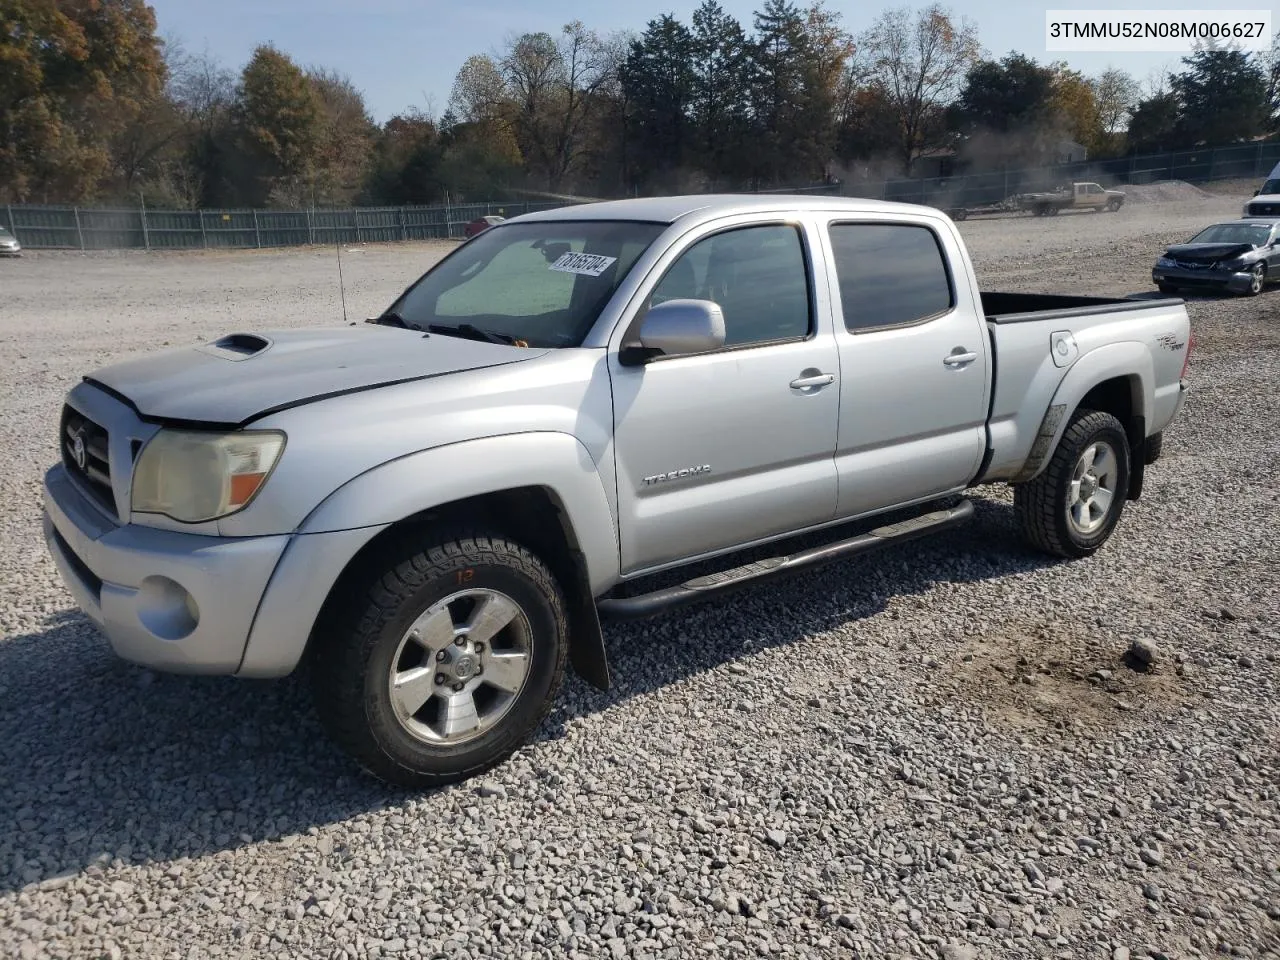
(586, 264)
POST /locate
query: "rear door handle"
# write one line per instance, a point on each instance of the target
(817, 380)
(956, 359)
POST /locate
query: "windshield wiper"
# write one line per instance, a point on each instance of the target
(472, 332)
(393, 319)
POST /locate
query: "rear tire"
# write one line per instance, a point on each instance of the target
(1074, 505)
(445, 663)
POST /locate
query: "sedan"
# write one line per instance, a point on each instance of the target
(1240, 256)
(9, 245)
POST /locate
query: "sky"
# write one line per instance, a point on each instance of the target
(404, 54)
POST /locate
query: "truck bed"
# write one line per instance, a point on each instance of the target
(1025, 307)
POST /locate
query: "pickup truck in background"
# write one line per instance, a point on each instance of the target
(1079, 196)
(597, 412)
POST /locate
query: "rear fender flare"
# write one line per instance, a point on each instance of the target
(1129, 360)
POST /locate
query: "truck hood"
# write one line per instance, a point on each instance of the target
(243, 376)
(1208, 252)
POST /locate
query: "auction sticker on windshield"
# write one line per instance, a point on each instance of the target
(587, 264)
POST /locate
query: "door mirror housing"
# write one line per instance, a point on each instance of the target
(677, 328)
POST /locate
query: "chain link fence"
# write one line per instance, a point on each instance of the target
(97, 228)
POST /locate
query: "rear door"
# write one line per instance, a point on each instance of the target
(914, 363)
(721, 449)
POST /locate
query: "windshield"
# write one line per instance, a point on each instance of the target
(1270, 187)
(542, 284)
(4, 232)
(1252, 233)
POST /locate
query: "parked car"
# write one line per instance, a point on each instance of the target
(607, 411)
(1082, 196)
(1239, 256)
(9, 245)
(1266, 199)
(481, 224)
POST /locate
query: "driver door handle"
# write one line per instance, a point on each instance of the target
(817, 380)
(956, 359)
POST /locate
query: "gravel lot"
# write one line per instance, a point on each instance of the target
(936, 753)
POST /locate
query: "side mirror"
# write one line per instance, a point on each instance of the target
(677, 328)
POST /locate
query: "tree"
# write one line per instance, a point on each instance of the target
(917, 64)
(1006, 111)
(658, 83)
(553, 85)
(346, 140)
(77, 74)
(1116, 94)
(721, 100)
(1223, 98)
(1075, 108)
(281, 121)
(1153, 126)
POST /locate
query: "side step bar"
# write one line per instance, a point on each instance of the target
(704, 588)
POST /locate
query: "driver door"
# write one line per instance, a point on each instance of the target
(720, 449)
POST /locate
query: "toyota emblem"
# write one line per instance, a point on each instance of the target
(77, 450)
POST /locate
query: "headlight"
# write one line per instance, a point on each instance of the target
(1165, 262)
(193, 476)
(1229, 265)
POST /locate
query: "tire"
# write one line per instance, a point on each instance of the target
(1113, 206)
(1046, 505)
(1168, 288)
(1154, 445)
(437, 590)
(1257, 279)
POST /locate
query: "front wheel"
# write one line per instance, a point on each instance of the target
(1072, 507)
(1257, 279)
(446, 663)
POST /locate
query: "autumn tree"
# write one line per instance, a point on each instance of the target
(77, 74)
(1074, 108)
(281, 123)
(917, 63)
(346, 138)
(1115, 93)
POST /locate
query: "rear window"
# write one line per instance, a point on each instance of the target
(889, 274)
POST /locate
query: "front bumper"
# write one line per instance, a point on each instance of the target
(1207, 279)
(178, 602)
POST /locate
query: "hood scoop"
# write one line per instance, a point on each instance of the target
(236, 346)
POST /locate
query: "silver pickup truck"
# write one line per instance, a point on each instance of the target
(596, 412)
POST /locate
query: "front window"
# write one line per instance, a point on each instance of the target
(1270, 187)
(540, 284)
(1254, 234)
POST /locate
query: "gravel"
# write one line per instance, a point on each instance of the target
(943, 752)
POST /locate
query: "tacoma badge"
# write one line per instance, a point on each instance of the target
(676, 474)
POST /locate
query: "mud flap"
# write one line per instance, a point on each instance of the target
(1136, 428)
(586, 638)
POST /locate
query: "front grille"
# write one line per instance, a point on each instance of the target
(1264, 209)
(84, 454)
(1192, 264)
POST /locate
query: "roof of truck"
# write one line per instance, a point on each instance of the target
(709, 205)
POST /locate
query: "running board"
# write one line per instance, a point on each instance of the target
(704, 588)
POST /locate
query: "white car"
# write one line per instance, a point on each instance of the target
(9, 245)
(1266, 201)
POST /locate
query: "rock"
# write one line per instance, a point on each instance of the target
(491, 788)
(959, 951)
(1152, 892)
(1144, 652)
(776, 838)
(1120, 953)
(1150, 856)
